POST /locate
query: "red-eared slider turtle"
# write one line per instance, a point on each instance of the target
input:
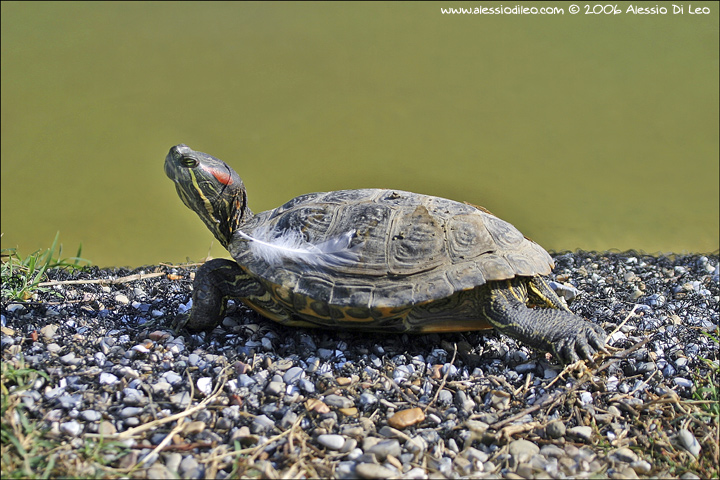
(373, 260)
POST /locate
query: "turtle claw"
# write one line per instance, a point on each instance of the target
(565, 351)
(586, 351)
(589, 340)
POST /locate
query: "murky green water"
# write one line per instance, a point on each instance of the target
(585, 131)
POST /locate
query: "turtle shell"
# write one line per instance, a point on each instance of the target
(412, 249)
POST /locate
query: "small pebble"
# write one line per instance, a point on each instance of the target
(581, 433)
(293, 375)
(624, 455)
(205, 385)
(625, 472)
(445, 397)
(324, 353)
(331, 442)
(349, 446)
(373, 470)
(499, 400)
(90, 415)
(317, 406)
(48, 331)
(683, 382)
(689, 476)
(69, 402)
(551, 450)
(524, 470)
(586, 398)
(349, 412)
(416, 473)
(641, 466)
(417, 445)
(122, 299)
(367, 400)
(406, 418)
(128, 412)
(172, 462)
(338, 402)
(568, 292)
(262, 424)
(70, 359)
(161, 387)
(688, 441)
(275, 388)
(173, 378)
(475, 455)
(193, 428)
(71, 428)
(244, 436)
(181, 399)
(383, 448)
(108, 379)
(187, 465)
(106, 428)
(133, 397)
(158, 471)
(463, 402)
(522, 450)
(245, 380)
(306, 385)
(555, 429)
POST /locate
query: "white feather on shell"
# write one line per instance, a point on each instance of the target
(276, 247)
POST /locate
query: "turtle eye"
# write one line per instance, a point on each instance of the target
(188, 162)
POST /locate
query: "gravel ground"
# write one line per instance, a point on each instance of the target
(125, 396)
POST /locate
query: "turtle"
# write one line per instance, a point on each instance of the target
(373, 260)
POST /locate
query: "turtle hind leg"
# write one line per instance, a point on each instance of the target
(554, 330)
(542, 294)
(216, 281)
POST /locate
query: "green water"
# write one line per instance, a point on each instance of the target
(584, 131)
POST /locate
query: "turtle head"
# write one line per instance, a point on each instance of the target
(211, 188)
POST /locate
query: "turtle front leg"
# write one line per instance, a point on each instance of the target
(216, 281)
(553, 330)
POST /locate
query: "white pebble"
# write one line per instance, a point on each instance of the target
(616, 337)
(641, 466)
(331, 442)
(140, 348)
(204, 384)
(122, 299)
(682, 382)
(71, 428)
(293, 375)
(108, 379)
(586, 398)
(688, 441)
(90, 415)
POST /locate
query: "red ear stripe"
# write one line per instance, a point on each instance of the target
(222, 177)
